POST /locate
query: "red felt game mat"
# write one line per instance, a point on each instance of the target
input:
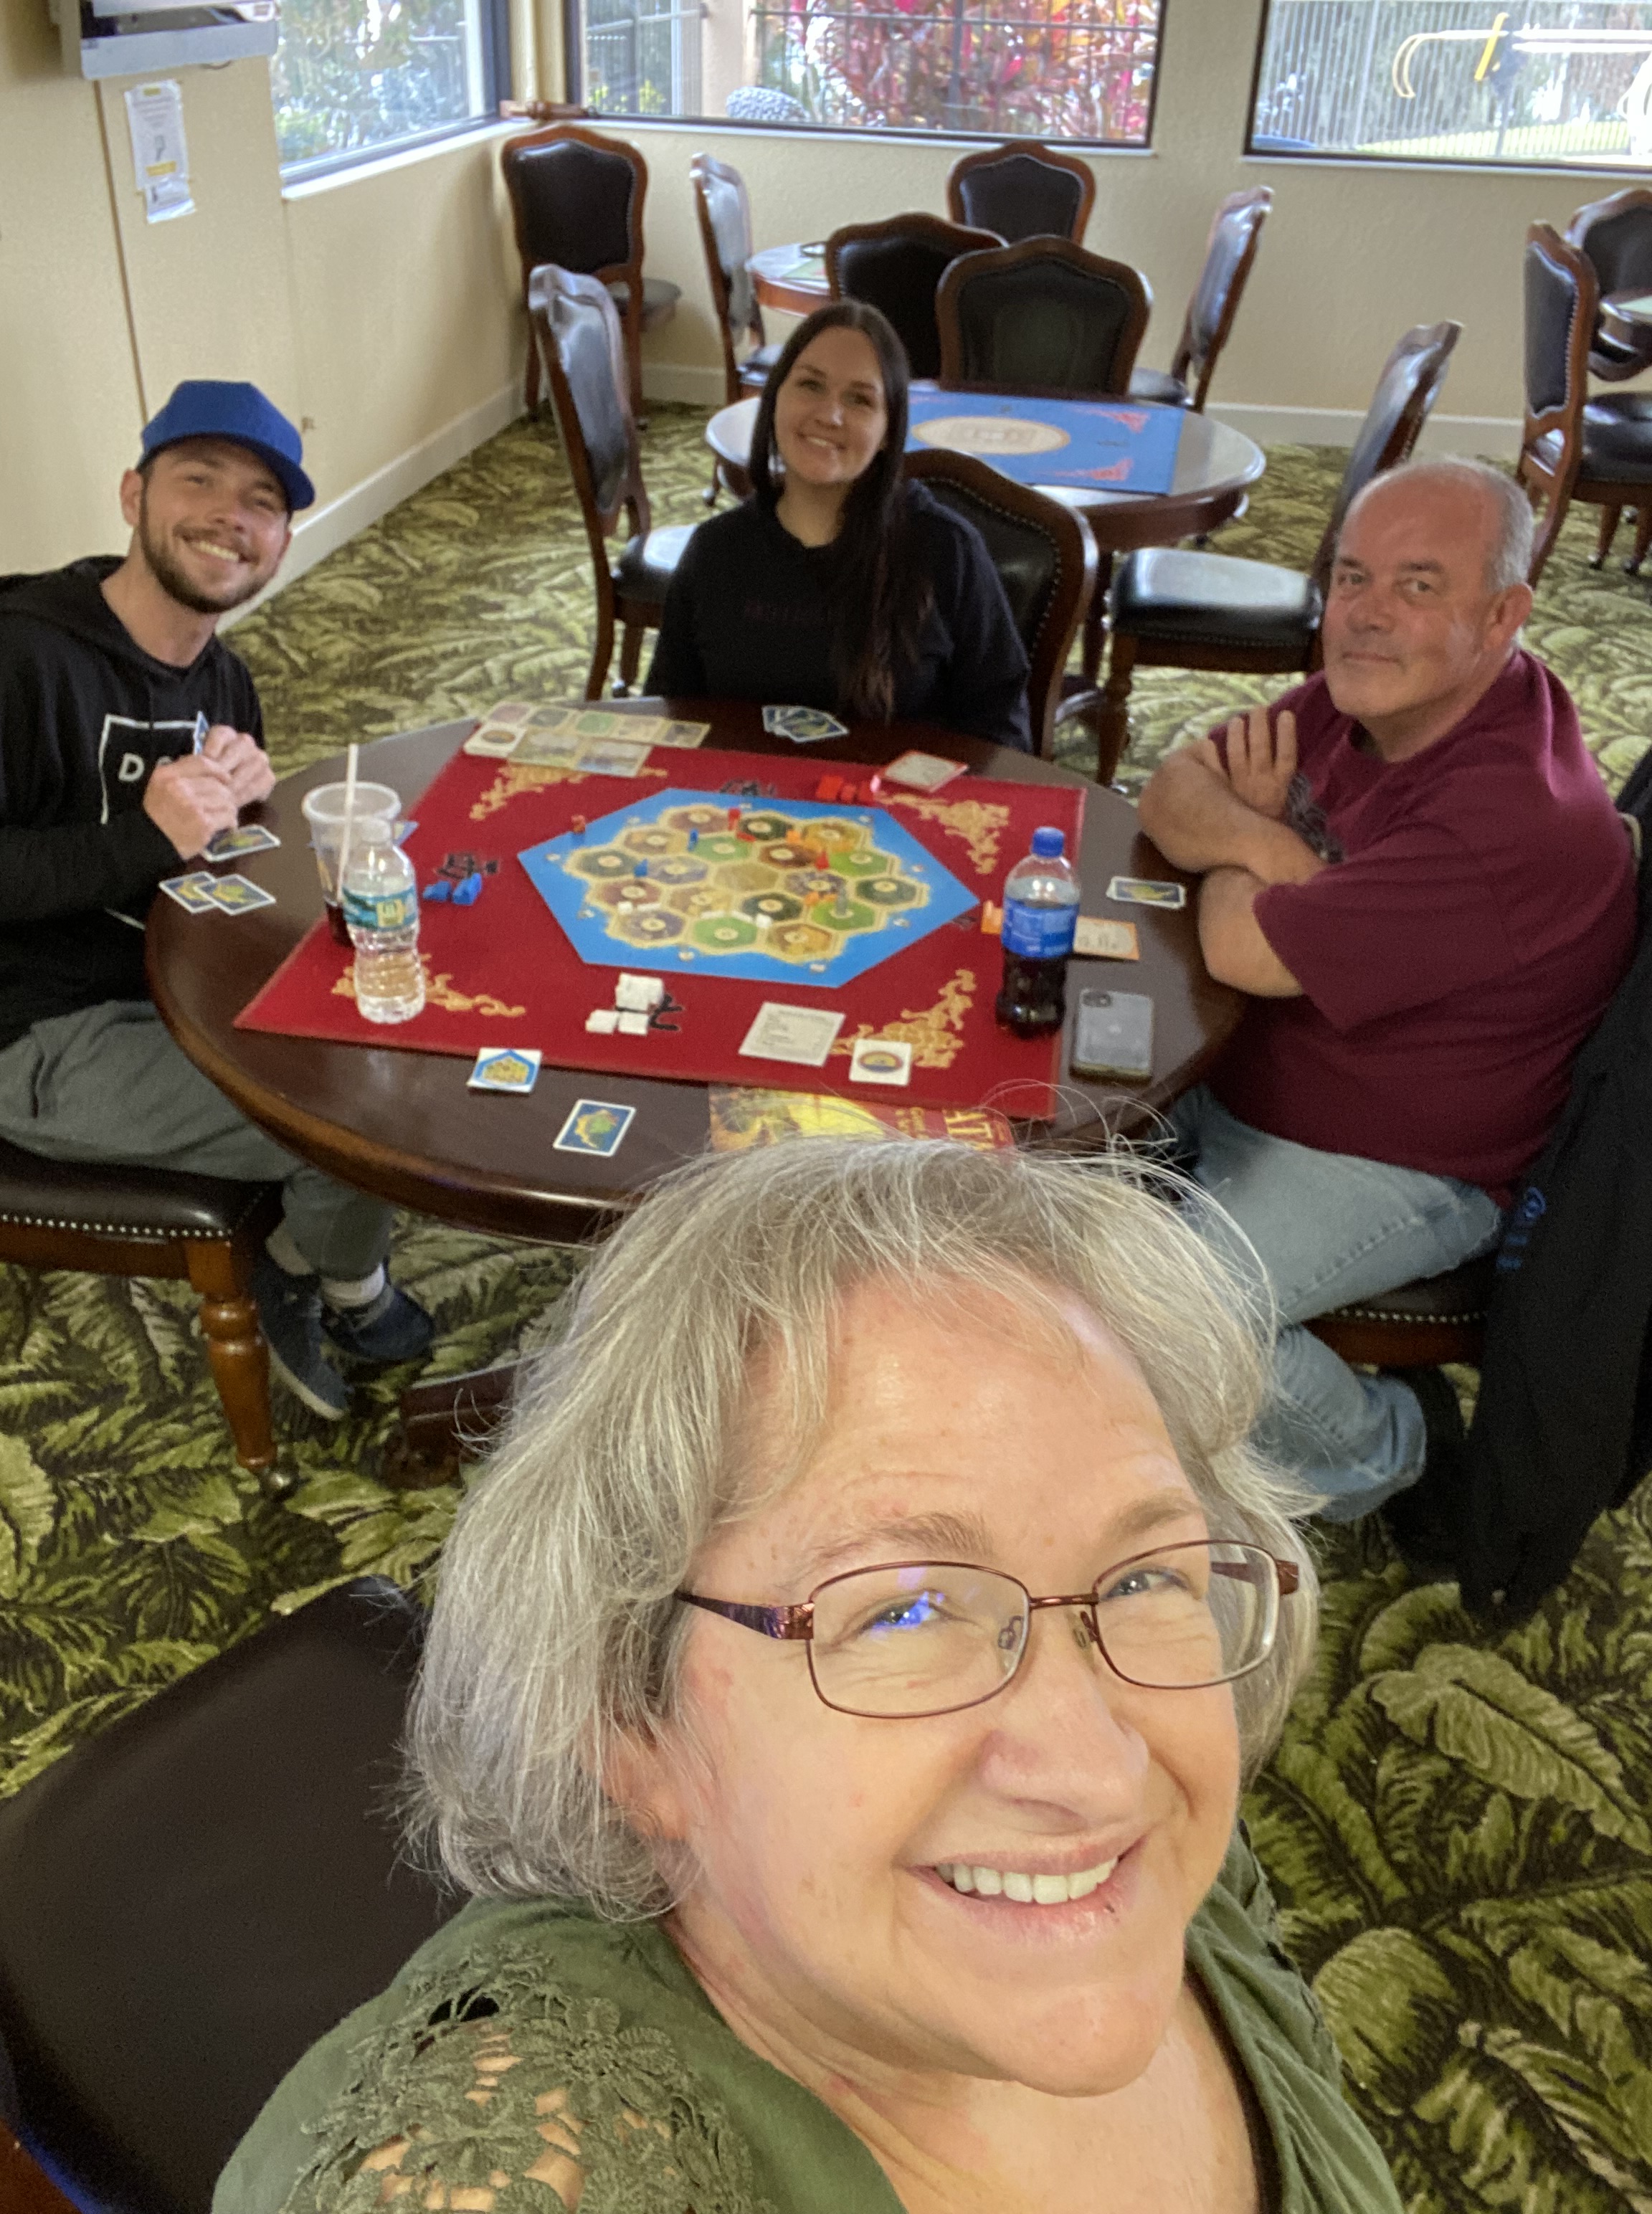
(503, 972)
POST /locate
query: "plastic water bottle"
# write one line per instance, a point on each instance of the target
(1041, 916)
(381, 908)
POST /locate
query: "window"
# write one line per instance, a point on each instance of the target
(354, 76)
(1561, 81)
(1042, 69)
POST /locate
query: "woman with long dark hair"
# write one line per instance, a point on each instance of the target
(839, 584)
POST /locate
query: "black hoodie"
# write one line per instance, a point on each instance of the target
(85, 714)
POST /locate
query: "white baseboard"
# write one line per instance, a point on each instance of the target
(1496, 436)
(326, 529)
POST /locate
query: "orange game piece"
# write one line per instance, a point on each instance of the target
(578, 825)
(830, 788)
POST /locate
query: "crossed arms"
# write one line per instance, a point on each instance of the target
(1227, 820)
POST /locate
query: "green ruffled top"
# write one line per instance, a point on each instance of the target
(527, 2032)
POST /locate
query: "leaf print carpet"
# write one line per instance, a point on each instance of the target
(1459, 1823)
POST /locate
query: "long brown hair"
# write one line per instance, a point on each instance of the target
(879, 596)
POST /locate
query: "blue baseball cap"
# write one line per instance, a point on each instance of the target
(204, 408)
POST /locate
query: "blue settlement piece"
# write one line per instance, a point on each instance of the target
(438, 888)
(468, 893)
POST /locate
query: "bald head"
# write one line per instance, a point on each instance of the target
(1426, 597)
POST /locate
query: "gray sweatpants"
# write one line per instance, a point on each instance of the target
(108, 1084)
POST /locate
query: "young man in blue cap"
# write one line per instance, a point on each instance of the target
(108, 670)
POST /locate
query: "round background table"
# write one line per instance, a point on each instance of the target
(405, 1126)
(1215, 466)
(779, 282)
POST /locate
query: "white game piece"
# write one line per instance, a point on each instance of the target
(638, 995)
(633, 1023)
(603, 1020)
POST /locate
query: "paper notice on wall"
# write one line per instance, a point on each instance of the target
(155, 117)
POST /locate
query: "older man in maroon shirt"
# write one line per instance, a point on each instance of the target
(1414, 869)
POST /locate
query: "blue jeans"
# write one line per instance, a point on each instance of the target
(1328, 1228)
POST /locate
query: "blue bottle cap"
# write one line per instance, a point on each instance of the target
(1048, 842)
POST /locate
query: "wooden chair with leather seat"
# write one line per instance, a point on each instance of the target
(577, 332)
(194, 1896)
(153, 1222)
(577, 199)
(1417, 1325)
(1044, 317)
(725, 213)
(1616, 234)
(1235, 236)
(1176, 608)
(1022, 189)
(1046, 556)
(895, 265)
(1573, 447)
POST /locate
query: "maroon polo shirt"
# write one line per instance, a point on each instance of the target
(1478, 912)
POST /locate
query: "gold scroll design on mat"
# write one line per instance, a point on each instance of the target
(511, 782)
(979, 822)
(439, 992)
(934, 1034)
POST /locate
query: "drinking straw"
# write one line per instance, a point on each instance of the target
(349, 817)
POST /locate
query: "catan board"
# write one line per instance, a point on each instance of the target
(799, 893)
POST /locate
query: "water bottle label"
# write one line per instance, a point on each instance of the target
(1039, 933)
(380, 911)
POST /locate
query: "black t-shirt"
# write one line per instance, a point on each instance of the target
(748, 617)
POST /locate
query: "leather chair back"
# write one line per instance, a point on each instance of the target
(583, 350)
(725, 215)
(573, 195)
(1022, 190)
(1406, 391)
(1235, 236)
(193, 1897)
(1043, 316)
(1044, 555)
(895, 266)
(1615, 236)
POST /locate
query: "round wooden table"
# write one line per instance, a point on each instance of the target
(779, 283)
(1626, 317)
(405, 1126)
(1215, 466)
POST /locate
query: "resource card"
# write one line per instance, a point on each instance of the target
(194, 893)
(880, 1060)
(594, 1126)
(802, 1035)
(1144, 891)
(234, 845)
(804, 727)
(239, 894)
(506, 1068)
(1106, 941)
(924, 772)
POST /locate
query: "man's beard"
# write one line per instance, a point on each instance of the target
(177, 586)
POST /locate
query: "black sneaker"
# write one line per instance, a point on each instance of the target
(1423, 1520)
(391, 1328)
(290, 1310)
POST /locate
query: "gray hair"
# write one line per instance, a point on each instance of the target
(1510, 556)
(554, 1629)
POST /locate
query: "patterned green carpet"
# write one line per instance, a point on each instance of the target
(1458, 1825)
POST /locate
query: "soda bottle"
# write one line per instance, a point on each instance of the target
(381, 908)
(1041, 915)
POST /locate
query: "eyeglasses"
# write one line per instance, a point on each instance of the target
(930, 1637)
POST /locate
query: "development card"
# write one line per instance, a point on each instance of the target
(804, 727)
(1144, 891)
(548, 749)
(683, 734)
(505, 1069)
(194, 893)
(239, 894)
(802, 1035)
(1106, 941)
(594, 1126)
(614, 757)
(880, 1060)
(923, 771)
(247, 838)
(493, 741)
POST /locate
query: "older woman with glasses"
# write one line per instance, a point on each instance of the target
(837, 1696)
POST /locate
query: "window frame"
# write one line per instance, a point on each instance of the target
(494, 24)
(1434, 164)
(574, 90)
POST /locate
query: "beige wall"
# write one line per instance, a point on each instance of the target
(1353, 255)
(377, 308)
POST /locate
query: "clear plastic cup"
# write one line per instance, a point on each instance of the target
(324, 812)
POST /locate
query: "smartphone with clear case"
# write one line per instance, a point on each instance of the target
(1112, 1035)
